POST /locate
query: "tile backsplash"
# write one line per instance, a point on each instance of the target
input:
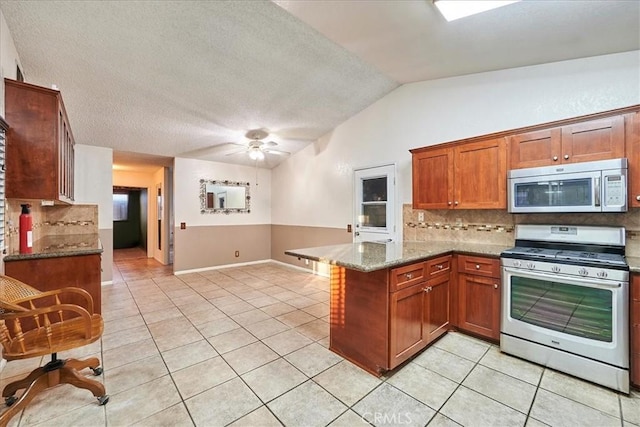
(497, 226)
(58, 220)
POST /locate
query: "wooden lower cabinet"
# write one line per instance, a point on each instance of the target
(635, 329)
(46, 274)
(479, 296)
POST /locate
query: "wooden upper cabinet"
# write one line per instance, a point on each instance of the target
(40, 146)
(591, 140)
(433, 179)
(632, 135)
(481, 175)
(464, 176)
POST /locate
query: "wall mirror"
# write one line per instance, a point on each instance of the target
(224, 196)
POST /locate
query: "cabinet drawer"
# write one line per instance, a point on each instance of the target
(409, 275)
(479, 266)
(437, 266)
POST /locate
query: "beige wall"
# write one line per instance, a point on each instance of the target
(284, 237)
(202, 247)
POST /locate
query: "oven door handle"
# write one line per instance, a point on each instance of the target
(591, 283)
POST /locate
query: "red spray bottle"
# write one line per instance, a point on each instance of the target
(26, 230)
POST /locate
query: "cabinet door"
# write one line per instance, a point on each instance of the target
(479, 308)
(436, 308)
(481, 175)
(533, 149)
(406, 334)
(433, 179)
(632, 144)
(593, 140)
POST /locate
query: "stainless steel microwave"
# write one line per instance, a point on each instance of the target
(599, 186)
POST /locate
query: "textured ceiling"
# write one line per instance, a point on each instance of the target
(173, 79)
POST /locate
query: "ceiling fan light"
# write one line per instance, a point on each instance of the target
(256, 154)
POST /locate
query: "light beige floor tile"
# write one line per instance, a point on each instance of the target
(119, 325)
(190, 300)
(262, 301)
(249, 294)
(125, 337)
(295, 318)
(237, 308)
(249, 357)
(287, 342)
(307, 405)
(424, 385)
(191, 307)
(512, 366)
(162, 314)
(233, 400)
(556, 410)
(231, 340)
(162, 305)
(187, 355)
(138, 403)
(463, 346)
(252, 316)
(266, 328)
(204, 316)
(581, 391)
(313, 359)
(285, 295)
(315, 330)
(469, 408)
(133, 374)
(441, 421)
(502, 388)
(217, 327)
(347, 382)
(532, 422)
(301, 302)
(261, 417)
(320, 296)
(202, 376)
(178, 339)
(128, 353)
(631, 407)
(317, 310)
(273, 379)
(278, 309)
(86, 416)
(128, 311)
(225, 300)
(387, 405)
(444, 363)
(348, 419)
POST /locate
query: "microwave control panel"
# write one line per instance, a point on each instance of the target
(614, 191)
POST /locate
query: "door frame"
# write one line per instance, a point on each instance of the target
(392, 193)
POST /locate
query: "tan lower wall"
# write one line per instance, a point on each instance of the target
(106, 238)
(284, 237)
(211, 246)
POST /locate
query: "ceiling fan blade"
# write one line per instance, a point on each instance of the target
(214, 149)
(277, 152)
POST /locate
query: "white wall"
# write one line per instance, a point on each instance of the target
(8, 59)
(93, 185)
(187, 176)
(314, 186)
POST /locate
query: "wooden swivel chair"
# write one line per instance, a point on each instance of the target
(35, 323)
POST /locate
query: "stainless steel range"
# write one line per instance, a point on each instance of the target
(565, 301)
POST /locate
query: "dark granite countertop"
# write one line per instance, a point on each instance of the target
(369, 256)
(60, 246)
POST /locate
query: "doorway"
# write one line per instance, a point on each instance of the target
(130, 218)
(375, 195)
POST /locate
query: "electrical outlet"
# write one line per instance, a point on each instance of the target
(183, 226)
(420, 216)
(237, 254)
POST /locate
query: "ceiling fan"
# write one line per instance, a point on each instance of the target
(257, 149)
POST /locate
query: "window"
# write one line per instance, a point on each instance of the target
(120, 206)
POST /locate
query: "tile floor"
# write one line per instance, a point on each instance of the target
(247, 346)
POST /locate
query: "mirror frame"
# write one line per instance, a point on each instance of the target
(203, 196)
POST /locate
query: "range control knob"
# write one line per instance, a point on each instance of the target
(517, 263)
(555, 269)
(583, 272)
(531, 265)
(602, 274)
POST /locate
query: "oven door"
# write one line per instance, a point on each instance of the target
(587, 317)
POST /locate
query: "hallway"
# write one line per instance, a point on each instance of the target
(133, 264)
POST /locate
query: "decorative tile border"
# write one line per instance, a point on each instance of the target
(462, 227)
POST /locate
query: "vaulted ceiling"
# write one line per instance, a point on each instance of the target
(171, 78)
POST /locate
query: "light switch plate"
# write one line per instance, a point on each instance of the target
(421, 216)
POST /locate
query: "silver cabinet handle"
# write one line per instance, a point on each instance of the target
(449, 203)
(456, 203)
(566, 157)
(477, 266)
(638, 198)
(495, 286)
(428, 289)
(555, 158)
(439, 267)
(409, 276)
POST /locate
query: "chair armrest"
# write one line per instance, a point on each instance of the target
(72, 290)
(84, 314)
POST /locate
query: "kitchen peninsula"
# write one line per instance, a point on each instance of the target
(388, 301)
